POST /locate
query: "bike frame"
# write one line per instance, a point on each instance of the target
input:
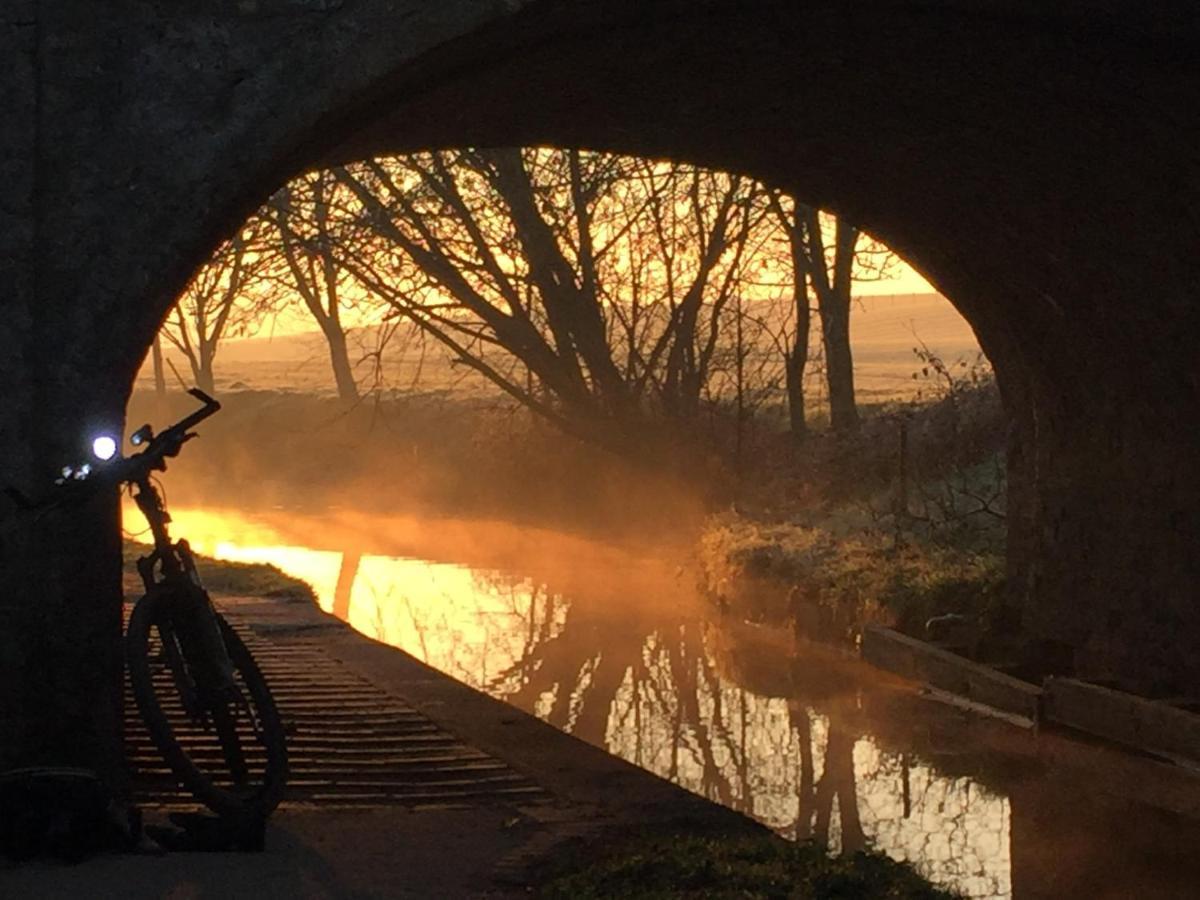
(203, 670)
(174, 563)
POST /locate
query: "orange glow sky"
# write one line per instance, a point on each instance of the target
(296, 320)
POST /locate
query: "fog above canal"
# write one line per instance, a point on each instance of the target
(614, 643)
(619, 648)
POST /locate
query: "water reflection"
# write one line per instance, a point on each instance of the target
(618, 650)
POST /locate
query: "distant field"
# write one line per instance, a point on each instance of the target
(884, 330)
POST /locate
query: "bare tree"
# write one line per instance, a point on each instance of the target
(304, 216)
(601, 280)
(791, 219)
(605, 293)
(832, 270)
(224, 298)
(831, 281)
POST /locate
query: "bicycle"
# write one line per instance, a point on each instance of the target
(204, 700)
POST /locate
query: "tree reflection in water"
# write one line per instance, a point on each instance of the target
(621, 651)
(725, 716)
(618, 651)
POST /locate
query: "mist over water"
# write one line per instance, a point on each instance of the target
(562, 580)
(616, 646)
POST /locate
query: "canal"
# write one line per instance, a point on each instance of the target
(616, 645)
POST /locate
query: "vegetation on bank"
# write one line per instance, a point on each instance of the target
(225, 577)
(607, 294)
(900, 522)
(764, 866)
(830, 585)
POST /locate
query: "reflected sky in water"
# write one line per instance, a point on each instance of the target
(616, 646)
(619, 651)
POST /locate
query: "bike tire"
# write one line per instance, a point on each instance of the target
(152, 615)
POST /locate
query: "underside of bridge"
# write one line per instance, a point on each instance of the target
(1040, 171)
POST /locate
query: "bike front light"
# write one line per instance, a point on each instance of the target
(104, 447)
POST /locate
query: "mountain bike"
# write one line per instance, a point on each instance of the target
(204, 700)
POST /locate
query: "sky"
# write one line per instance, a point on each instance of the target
(907, 280)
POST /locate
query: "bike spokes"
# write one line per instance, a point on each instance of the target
(224, 732)
(171, 664)
(231, 742)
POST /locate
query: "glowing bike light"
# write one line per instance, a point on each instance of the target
(104, 447)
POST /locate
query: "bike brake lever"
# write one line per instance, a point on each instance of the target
(176, 446)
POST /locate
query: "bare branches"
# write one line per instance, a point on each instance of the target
(226, 297)
(599, 290)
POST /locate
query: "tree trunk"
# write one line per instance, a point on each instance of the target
(204, 376)
(833, 304)
(343, 374)
(160, 379)
(796, 360)
(835, 326)
(839, 366)
(794, 371)
(573, 314)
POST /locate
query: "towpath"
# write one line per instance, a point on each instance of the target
(405, 783)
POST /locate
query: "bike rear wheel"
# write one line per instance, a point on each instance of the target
(231, 752)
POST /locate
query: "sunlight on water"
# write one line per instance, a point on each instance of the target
(652, 683)
(444, 615)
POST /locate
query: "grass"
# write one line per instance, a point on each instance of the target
(765, 571)
(727, 867)
(242, 579)
(819, 537)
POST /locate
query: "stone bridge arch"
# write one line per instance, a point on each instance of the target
(1037, 168)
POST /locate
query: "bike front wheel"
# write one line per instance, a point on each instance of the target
(228, 750)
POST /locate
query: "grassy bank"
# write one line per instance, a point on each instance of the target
(829, 584)
(222, 577)
(668, 866)
(898, 523)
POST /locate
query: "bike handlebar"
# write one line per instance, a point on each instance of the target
(168, 442)
(131, 468)
(210, 406)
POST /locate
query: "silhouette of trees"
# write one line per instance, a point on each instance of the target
(594, 289)
(225, 298)
(617, 297)
(307, 225)
(793, 343)
(825, 256)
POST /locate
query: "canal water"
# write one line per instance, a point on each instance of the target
(616, 646)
